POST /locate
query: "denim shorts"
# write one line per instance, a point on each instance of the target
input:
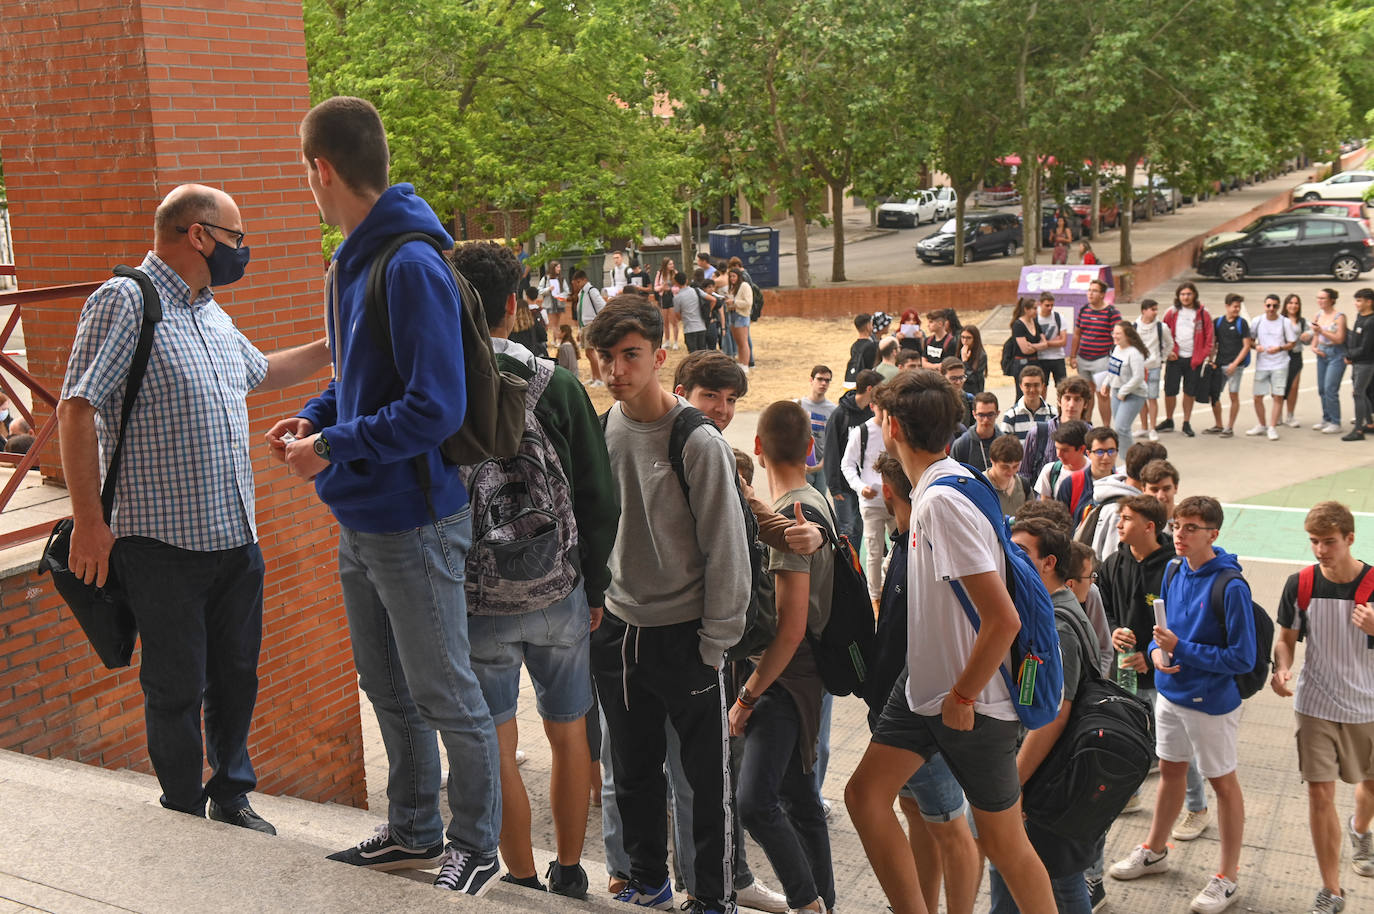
(552, 643)
(935, 790)
(739, 320)
(1152, 383)
(1273, 382)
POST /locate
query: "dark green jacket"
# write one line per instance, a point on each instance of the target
(574, 429)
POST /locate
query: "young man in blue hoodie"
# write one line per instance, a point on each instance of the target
(1197, 711)
(402, 543)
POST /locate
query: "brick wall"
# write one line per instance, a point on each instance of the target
(110, 104)
(922, 297)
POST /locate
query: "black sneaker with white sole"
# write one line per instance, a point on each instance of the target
(469, 873)
(381, 852)
(567, 880)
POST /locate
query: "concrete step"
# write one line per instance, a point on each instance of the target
(83, 839)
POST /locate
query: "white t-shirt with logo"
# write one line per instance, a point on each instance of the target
(950, 539)
(1274, 332)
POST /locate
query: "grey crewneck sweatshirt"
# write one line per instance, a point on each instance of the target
(673, 563)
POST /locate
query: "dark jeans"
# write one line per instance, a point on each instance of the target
(697, 340)
(850, 520)
(780, 804)
(644, 678)
(200, 620)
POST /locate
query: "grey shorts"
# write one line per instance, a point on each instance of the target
(1273, 382)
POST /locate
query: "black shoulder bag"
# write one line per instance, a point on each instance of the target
(104, 612)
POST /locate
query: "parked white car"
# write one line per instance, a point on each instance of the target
(910, 212)
(1348, 185)
(945, 202)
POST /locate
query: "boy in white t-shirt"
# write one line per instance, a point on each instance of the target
(1159, 340)
(1335, 692)
(865, 446)
(953, 682)
(1273, 337)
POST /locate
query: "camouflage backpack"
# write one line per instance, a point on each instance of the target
(524, 535)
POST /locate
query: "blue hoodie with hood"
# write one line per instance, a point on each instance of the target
(378, 416)
(1209, 656)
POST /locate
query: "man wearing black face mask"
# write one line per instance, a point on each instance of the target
(182, 539)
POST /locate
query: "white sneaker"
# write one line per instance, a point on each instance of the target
(1332, 428)
(1320, 426)
(760, 897)
(1216, 897)
(1292, 422)
(1140, 862)
(1154, 435)
(1273, 433)
(1257, 430)
(1192, 825)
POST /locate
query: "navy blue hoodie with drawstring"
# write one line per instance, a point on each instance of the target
(1209, 655)
(379, 413)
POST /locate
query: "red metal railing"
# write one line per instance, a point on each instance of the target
(10, 368)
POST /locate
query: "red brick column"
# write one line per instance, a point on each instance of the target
(110, 104)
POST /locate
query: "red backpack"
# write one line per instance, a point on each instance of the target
(1307, 579)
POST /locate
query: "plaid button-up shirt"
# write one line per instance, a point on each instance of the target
(185, 477)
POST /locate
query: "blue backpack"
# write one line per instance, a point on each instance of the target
(1037, 643)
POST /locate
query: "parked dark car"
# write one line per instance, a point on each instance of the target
(1075, 223)
(1293, 244)
(985, 234)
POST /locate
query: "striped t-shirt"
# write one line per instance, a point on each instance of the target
(1095, 332)
(1336, 682)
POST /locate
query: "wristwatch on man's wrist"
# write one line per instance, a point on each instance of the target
(321, 446)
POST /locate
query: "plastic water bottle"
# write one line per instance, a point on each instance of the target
(1125, 676)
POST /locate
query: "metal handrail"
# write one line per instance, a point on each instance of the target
(11, 368)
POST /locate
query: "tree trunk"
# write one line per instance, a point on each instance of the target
(837, 225)
(1128, 210)
(687, 243)
(1095, 208)
(1030, 205)
(960, 201)
(505, 225)
(803, 248)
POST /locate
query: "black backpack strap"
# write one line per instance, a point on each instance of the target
(375, 306)
(688, 420)
(152, 314)
(1217, 596)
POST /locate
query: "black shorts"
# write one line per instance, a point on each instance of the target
(1054, 368)
(1294, 368)
(1181, 372)
(983, 760)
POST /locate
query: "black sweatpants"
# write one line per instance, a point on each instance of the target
(645, 676)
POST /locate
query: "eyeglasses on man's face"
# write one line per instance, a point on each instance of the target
(1190, 529)
(235, 234)
(1103, 452)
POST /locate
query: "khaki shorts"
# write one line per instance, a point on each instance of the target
(1328, 750)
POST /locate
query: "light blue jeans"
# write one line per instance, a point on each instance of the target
(1330, 373)
(408, 620)
(1124, 413)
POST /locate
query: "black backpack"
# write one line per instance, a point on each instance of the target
(1009, 353)
(846, 647)
(1254, 679)
(756, 309)
(1099, 761)
(495, 420)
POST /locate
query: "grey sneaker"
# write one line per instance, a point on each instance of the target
(1327, 903)
(1362, 861)
(1140, 862)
